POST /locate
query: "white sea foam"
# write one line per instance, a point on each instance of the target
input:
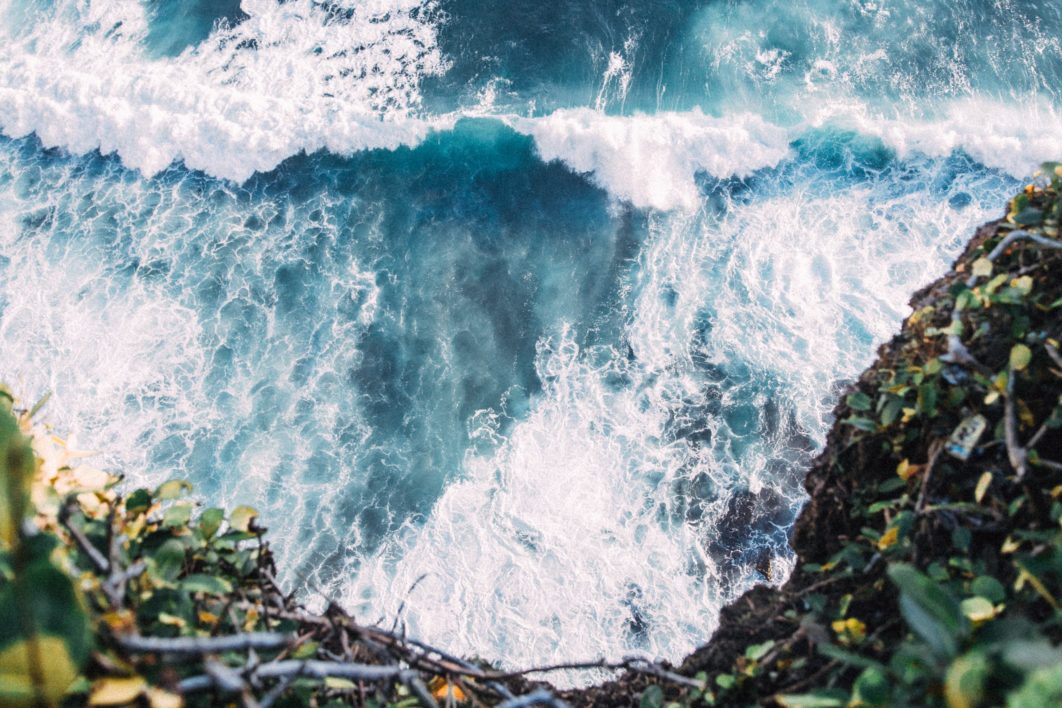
(1011, 136)
(653, 160)
(291, 78)
(582, 523)
(123, 362)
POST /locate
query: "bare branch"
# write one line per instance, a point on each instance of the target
(421, 691)
(93, 553)
(198, 646)
(225, 679)
(536, 698)
(294, 667)
(1055, 356)
(645, 667)
(1015, 452)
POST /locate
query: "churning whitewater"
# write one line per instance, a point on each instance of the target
(518, 322)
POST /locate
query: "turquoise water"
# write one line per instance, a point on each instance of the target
(518, 319)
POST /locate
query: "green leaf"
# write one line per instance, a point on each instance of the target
(927, 399)
(994, 283)
(210, 521)
(977, 609)
(861, 423)
(989, 587)
(1041, 688)
(930, 612)
(139, 501)
(17, 468)
(1020, 356)
(1029, 216)
(169, 559)
(846, 657)
(306, 650)
(891, 411)
(859, 401)
(211, 584)
(964, 684)
(177, 516)
(872, 687)
(652, 697)
(42, 604)
(756, 652)
(54, 609)
(818, 699)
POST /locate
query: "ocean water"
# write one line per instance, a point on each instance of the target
(518, 322)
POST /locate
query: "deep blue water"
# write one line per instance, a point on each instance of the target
(546, 303)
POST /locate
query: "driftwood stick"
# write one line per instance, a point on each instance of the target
(93, 553)
(413, 682)
(224, 678)
(642, 666)
(198, 646)
(1055, 356)
(294, 667)
(277, 691)
(536, 698)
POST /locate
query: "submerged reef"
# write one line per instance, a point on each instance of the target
(929, 554)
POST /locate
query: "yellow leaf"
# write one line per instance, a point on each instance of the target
(982, 486)
(48, 652)
(208, 617)
(850, 631)
(1025, 415)
(135, 527)
(1020, 356)
(116, 691)
(173, 489)
(1024, 284)
(241, 517)
(888, 539)
(905, 470)
(251, 620)
(91, 504)
(90, 478)
(1041, 589)
(172, 620)
(120, 621)
(164, 699)
(982, 267)
(339, 684)
(1010, 546)
(443, 690)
